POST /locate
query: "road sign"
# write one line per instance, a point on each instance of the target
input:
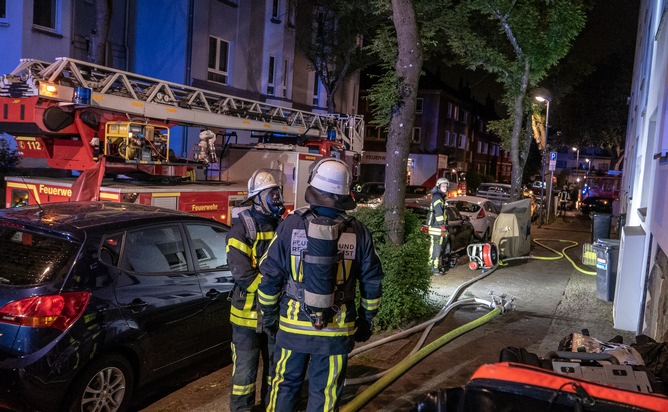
(553, 161)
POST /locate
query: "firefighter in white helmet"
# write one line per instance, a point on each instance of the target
(438, 220)
(247, 241)
(310, 273)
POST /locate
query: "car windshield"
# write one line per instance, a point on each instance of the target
(466, 207)
(28, 258)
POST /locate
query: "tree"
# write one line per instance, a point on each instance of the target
(98, 36)
(333, 42)
(401, 48)
(517, 40)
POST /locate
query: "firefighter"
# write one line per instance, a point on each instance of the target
(310, 273)
(564, 197)
(248, 239)
(437, 225)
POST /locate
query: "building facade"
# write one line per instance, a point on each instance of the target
(641, 301)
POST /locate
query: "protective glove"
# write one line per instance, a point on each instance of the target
(364, 329)
(270, 323)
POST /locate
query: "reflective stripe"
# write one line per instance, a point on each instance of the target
(237, 244)
(253, 286)
(301, 327)
(335, 369)
(243, 390)
(279, 378)
(267, 300)
(234, 358)
(371, 304)
(239, 317)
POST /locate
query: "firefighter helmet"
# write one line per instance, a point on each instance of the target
(329, 185)
(260, 180)
(441, 181)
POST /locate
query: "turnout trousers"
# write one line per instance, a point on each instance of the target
(326, 375)
(246, 358)
(436, 257)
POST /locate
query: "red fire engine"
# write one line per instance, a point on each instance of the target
(81, 116)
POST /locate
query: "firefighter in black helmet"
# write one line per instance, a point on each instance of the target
(317, 259)
(247, 241)
(437, 224)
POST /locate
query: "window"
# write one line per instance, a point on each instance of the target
(462, 141)
(270, 75)
(284, 81)
(449, 114)
(447, 139)
(209, 246)
(155, 250)
(45, 13)
(275, 11)
(3, 9)
(316, 90)
(465, 116)
(417, 134)
(455, 112)
(419, 102)
(219, 51)
(292, 12)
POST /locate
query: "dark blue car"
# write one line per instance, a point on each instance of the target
(97, 299)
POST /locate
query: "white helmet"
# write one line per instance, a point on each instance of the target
(442, 180)
(332, 176)
(329, 185)
(260, 180)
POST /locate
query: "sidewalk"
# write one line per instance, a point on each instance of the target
(552, 300)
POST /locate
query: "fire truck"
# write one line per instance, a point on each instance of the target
(106, 122)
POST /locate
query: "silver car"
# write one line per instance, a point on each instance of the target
(481, 212)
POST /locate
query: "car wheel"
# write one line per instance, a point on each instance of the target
(104, 385)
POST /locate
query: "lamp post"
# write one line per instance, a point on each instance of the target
(577, 157)
(588, 166)
(545, 98)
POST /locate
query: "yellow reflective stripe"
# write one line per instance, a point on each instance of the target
(264, 235)
(279, 378)
(240, 318)
(240, 390)
(439, 218)
(437, 202)
(371, 304)
(253, 286)
(335, 367)
(237, 244)
(267, 300)
(265, 254)
(435, 231)
(234, 358)
(306, 328)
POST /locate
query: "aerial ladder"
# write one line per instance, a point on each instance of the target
(72, 113)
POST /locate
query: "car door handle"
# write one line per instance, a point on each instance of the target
(212, 293)
(136, 305)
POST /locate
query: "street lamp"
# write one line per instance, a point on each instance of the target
(544, 96)
(588, 166)
(577, 157)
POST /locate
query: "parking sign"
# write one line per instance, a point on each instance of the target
(553, 161)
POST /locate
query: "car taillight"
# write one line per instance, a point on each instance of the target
(481, 214)
(50, 311)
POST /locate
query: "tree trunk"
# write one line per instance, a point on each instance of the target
(518, 108)
(408, 68)
(98, 37)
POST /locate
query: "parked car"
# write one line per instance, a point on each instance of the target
(460, 230)
(498, 193)
(481, 212)
(97, 299)
(596, 204)
(414, 193)
(368, 191)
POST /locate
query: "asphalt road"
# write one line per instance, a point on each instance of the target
(551, 299)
